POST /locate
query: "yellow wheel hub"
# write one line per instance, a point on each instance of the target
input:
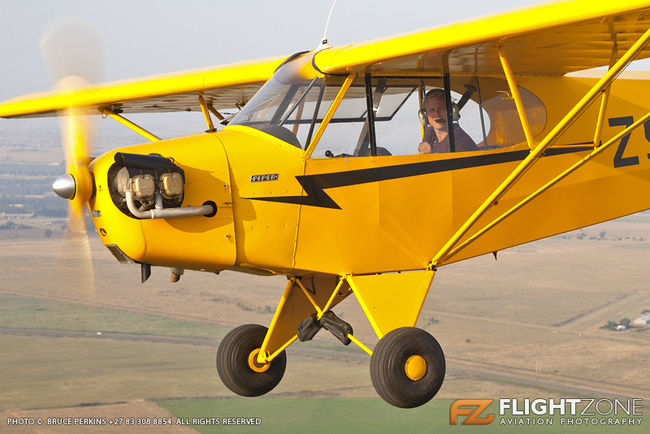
(254, 365)
(415, 367)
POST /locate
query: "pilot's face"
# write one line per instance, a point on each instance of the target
(436, 111)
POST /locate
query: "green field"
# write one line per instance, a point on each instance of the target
(17, 312)
(45, 372)
(318, 415)
(102, 368)
(37, 313)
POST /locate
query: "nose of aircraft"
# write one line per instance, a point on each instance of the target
(65, 186)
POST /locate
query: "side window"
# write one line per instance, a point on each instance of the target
(397, 128)
(473, 118)
(410, 116)
(343, 135)
(506, 129)
(402, 132)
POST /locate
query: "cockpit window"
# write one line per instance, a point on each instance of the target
(410, 116)
(506, 127)
(291, 105)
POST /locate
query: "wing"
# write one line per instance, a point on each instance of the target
(223, 87)
(550, 39)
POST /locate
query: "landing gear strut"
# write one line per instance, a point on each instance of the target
(407, 366)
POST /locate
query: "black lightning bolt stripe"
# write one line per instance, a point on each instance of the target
(315, 185)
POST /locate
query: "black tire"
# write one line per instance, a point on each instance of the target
(232, 362)
(388, 361)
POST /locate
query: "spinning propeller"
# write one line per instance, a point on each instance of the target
(77, 183)
(71, 52)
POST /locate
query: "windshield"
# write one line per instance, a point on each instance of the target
(290, 105)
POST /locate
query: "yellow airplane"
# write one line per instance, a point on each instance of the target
(326, 175)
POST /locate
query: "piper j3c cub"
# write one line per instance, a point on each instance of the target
(525, 146)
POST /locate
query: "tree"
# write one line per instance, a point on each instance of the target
(610, 325)
(625, 322)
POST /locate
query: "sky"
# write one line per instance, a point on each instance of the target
(147, 37)
(150, 37)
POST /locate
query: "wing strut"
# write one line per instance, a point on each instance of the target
(206, 114)
(127, 123)
(537, 152)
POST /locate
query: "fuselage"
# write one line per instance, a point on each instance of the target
(282, 211)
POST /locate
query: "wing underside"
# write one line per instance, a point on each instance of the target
(223, 87)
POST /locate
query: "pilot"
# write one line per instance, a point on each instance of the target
(436, 132)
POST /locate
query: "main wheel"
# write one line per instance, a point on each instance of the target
(407, 367)
(237, 365)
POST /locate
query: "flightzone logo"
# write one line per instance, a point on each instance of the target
(564, 411)
(472, 409)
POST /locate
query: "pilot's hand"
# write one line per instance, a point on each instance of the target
(425, 148)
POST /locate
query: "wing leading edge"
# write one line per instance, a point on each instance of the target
(223, 87)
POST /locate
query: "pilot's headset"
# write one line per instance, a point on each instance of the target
(422, 113)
